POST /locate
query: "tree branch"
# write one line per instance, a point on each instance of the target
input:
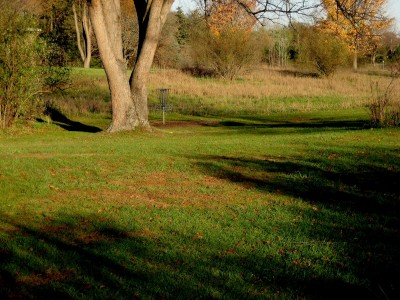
(265, 9)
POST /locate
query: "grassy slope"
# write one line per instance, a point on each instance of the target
(271, 207)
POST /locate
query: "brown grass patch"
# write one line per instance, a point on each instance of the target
(44, 278)
(146, 233)
(8, 228)
(183, 124)
(162, 190)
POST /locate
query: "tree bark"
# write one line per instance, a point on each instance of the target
(87, 35)
(355, 56)
(85, 47)
(128, 95)
(151, 18)
(105, 18)
(355, 61)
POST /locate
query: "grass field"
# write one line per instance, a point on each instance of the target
(263, 91)
(297, 203)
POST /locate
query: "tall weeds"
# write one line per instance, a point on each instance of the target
(384, 107)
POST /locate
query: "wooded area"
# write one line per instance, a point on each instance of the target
(220, 38)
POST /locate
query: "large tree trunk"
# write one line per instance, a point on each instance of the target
(128, 96)
(106, 16)
(151, 18)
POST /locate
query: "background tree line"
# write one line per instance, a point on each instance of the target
(43, 39)
(67, 25)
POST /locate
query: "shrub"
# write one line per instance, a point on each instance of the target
(225, 53)
(324, 52)
(384, 107)
(55, 73)
(28, 65)
(19, 80)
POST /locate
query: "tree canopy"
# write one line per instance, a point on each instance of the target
(358, 22)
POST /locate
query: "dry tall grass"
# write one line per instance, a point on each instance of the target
(268, 89)
(266, 82)
(262, 90)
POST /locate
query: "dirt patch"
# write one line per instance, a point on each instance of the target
(298, 120)
(44, 278)
(8, 228)
(191, 123)
(163, 190)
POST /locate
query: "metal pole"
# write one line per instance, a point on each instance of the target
(163, 105)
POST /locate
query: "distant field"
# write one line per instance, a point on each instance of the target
(265, 90)
(233, 200)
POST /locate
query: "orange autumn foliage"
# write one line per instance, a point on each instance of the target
(230, 15)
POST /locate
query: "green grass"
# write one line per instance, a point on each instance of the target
(284, 206)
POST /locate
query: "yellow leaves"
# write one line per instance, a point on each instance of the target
(357, 22)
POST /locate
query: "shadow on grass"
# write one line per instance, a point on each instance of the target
(84, 257)
(365, 192)
(100, 257)
(296, 73)
(330, 180)
(96, 257)
(71, 260)
(61, 120)
(299, 123)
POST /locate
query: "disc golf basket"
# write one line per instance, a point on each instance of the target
(164, 105)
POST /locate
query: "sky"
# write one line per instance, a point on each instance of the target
(187, 4)
(394, 12)
(393, 9)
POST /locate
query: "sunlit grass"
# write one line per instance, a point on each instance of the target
(284, 206)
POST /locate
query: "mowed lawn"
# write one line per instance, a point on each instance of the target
(292, 206)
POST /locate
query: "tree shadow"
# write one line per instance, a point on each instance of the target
(365, 193)
(295, 123)
(64, 122)
(88, 258)
(297, 73)
(330, 180)
(71, 260)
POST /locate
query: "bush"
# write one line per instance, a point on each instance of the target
(28, 65)
(324, 52)
(56, 74)
(226, 53)
(19, 80)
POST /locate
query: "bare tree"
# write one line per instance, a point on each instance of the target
(276, 10)
(83, 31)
